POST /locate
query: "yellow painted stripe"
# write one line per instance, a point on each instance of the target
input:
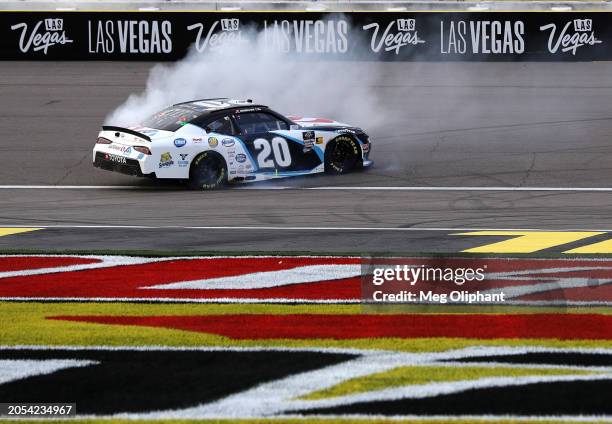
(527, 241)
(601, 247)
(7, 231)
(417, 375)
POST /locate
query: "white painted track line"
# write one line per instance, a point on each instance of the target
(408, 188)
(72, 187)
(283, 228)
(350, 188)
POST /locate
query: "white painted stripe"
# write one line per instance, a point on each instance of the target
(296, 301)
(304, 228)
(269, 279)
(352, 188)
(443, 355)
(18, 369)
(452, 188)
(74, 187)
(105, 262)
(162, 348)
(222, 300)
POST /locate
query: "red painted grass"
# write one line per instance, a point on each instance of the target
(312, 326)
(22, 263)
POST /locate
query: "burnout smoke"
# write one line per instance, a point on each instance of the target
(304, 84)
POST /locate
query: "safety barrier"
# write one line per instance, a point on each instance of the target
(389, 36)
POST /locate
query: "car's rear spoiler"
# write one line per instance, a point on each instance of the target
(127, 131)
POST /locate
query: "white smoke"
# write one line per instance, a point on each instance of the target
(287, 82)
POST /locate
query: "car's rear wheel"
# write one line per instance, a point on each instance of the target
(208, 172)
(342, 155)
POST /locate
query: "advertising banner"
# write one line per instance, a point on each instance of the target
(403, 36)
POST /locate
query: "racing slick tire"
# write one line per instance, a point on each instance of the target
(342, 155)
(208, 172)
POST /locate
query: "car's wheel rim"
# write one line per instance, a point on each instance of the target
(342, 155)
(209, 175)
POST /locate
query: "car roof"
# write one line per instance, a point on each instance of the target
(207, 106)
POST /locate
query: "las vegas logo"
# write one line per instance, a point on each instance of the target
(583, 34)
(37, 40)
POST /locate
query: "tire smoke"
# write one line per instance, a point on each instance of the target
(290, 83)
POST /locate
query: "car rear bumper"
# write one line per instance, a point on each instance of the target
(126, 166)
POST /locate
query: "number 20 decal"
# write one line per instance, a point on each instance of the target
(280, 151)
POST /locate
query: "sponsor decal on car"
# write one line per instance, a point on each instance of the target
(240, 158)
(165, 160)
(126, 150)
(183, 162)
(319, 140)
(228, 142)
(115, 158)
(180, 142)
(141, 156)
(213, 142)
(308, 135)
(197, 140)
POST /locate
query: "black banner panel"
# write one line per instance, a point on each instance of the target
(403, 36)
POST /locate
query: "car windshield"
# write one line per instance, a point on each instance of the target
(170, 119)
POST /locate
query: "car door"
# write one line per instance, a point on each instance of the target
(271, 145)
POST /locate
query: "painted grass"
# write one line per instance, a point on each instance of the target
(25, 323)
(303, 420)
(416, 375)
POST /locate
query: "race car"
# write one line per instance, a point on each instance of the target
(211, 142)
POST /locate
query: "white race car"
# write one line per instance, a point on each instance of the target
(211, 142)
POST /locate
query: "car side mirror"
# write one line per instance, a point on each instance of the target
(294, 127)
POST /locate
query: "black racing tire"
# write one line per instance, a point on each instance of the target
(342, 155)
(208, 172)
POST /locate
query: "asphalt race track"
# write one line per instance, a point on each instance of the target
(466, 126)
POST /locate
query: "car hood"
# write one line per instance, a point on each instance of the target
(318, 123)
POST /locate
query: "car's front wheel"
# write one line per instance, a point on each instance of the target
(208, 172)
(342, 155)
